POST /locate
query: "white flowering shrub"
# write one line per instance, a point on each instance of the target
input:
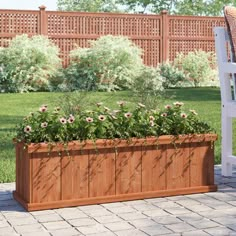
(112, 62)
(28, 64)
(199, 67)
(148, 86)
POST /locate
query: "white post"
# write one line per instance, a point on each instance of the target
(221, 39)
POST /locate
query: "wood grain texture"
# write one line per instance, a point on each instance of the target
(177, 166)
(46, 177)
(202, 164)
(23, 172)
(101, 172)
(153, 168)
(104, 173)
(74, 175)
(128, 170)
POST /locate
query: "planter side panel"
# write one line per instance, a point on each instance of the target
(74, 175)
(153, 168)
(202, 164)
(22, 172)
(128, 170)
(177, 166)
(101, 172)
(46, 180)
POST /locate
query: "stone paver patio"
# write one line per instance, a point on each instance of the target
(189, 215)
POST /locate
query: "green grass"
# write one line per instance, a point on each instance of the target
(13, 107)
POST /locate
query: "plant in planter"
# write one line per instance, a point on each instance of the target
(105, 155)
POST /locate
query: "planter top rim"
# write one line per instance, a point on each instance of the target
(110, 143)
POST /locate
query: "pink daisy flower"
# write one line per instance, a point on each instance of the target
(44, 124)
(183, 115)
(152, 118)
(164, 114)
(89, 119)
(101, 117)
(43, 108)
(63, 120)
(71, 119)
(178, 104)
(27, 129)
(128, 115)
(168, 106)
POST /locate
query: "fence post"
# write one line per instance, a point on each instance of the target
(165, 36)
(43, 21)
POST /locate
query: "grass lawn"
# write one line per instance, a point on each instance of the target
(13, 107)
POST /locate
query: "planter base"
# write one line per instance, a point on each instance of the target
(115, 198)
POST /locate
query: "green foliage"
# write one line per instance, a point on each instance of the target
(148, 87)
(112, 62)
(198, 66)
(87, 5)
(28, 64)
(172, 75)
(102, 122)
(201, 7)
(180, 7)
(145, 6)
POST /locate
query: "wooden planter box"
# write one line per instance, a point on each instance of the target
(113, 170)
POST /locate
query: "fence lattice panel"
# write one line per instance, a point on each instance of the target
(160, 36)
(191, 33)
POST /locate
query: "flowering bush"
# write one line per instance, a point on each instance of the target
(199, 67)
(102, 122)
(28, 64)
(111, 63)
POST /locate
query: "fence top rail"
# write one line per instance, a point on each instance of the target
(99, 14)
(10, 11)
(195, 17)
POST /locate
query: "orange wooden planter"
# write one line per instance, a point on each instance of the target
(113, 170)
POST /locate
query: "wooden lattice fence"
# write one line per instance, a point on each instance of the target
(160, 36)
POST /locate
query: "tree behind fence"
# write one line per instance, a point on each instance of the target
(160, 36)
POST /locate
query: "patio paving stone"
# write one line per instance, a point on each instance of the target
(188, 215)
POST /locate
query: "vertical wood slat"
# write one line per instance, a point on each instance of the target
(74, 175)
(101, 173)
(22, 172)
(128, 170)
(202, 169)
(46, 181)
(177, 166)
(153, 168)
